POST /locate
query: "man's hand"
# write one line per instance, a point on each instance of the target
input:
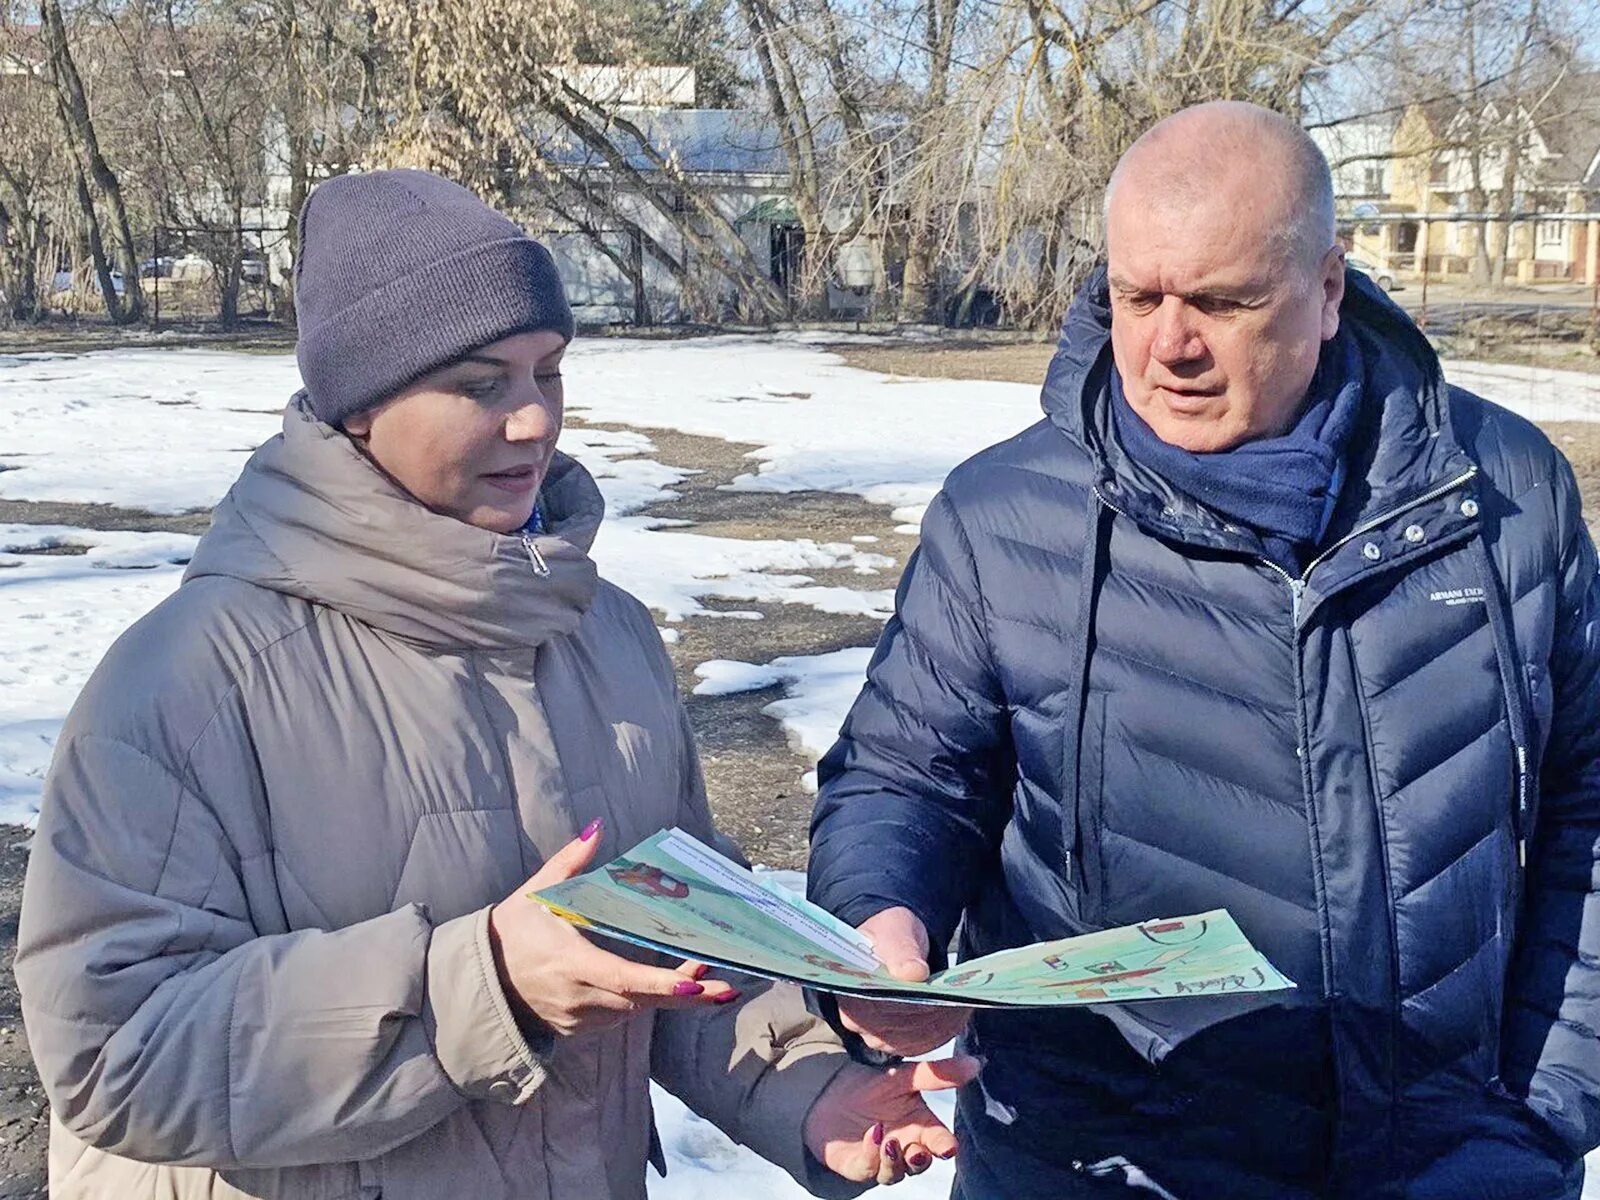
(902, 1136)
(551, 971)
(901, 943)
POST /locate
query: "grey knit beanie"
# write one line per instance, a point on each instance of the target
(403, 271)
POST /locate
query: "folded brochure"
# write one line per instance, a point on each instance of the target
(674, 894)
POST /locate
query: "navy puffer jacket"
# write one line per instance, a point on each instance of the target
(1098, 703)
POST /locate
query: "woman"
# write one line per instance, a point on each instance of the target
(275, 937)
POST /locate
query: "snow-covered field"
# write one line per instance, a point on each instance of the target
(169, 430)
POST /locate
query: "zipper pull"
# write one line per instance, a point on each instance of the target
(540, 567)
(1297, 591)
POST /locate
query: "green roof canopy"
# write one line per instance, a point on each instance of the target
(777, 210)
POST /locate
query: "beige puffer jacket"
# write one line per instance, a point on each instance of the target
(253, 954)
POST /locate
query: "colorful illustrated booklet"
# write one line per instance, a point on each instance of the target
(674, 894)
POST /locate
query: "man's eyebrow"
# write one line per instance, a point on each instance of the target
(1245, 294)
(1242, 295)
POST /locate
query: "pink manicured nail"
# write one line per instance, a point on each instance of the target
(919, 1162)
(891, 1150)
(951, 1153)
(728, 997)
(877, 1134)
(687, 988)
(589, 830)
(700, 971)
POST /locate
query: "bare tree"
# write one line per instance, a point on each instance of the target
(33, 171)
(91, 166)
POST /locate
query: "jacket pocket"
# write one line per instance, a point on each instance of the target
(1089, 873)
(1541, 705)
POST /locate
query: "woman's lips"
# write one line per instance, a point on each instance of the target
(518, 482)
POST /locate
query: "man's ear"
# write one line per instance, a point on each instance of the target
(1332, 291)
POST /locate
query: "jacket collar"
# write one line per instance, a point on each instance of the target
(310, 516)
(1403, 449)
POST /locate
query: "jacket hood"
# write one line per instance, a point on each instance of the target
(1403, 443)
(311, 517)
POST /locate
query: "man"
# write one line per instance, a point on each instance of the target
(1263, 616)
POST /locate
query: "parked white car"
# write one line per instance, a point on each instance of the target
(65, 281)
(1381, 276)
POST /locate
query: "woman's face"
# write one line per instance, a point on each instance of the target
(473, 439)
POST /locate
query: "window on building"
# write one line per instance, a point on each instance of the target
(1551, 233)
(1372, 180)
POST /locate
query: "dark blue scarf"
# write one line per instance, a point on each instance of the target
(1285, 487)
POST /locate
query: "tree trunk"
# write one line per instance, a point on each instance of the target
(79, 123)
(97, 253)
(918, 294)
(297, 144)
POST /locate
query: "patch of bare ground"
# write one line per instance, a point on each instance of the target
(24, 1113)
(753, 776)
(101, 516)
(1580, 442)
(1009, 361)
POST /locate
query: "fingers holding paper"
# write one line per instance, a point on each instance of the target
(901, 943)
(552, 973)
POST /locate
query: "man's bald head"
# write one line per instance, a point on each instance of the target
(1227, 145)
(1224, 274)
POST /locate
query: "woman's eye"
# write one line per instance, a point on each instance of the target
(547, 376)
(484, 389)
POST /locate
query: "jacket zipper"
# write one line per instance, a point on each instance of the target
(1297, 590)
(540, 567)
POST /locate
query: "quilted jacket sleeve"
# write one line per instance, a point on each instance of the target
(167, 1030)
(916, 792)
(1552, 1028)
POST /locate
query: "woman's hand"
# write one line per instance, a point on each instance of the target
(552, 972)
(872, 1124)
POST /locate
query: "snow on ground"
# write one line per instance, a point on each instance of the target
(1537, 393)
(673, 572)
(817, 423)
(91, 427)
(59, 614)
(818, 691)
(169, 431)
(166, 430)
(702, 1162)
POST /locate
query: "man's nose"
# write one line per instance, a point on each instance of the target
(1176, 340)
(532, 421)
